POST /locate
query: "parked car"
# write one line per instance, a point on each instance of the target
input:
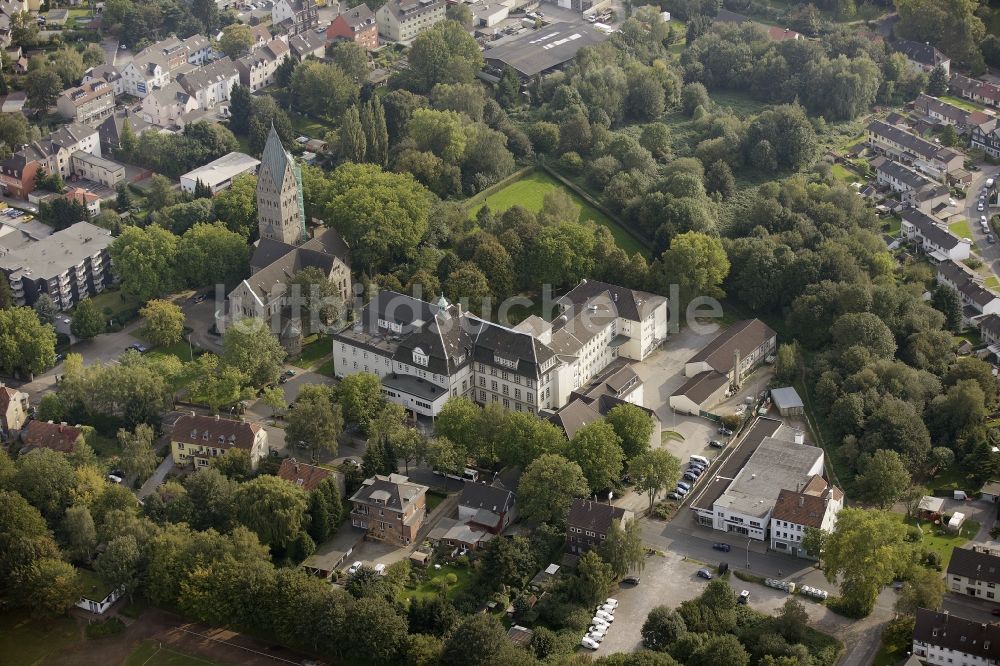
(631, 580)
(589, 643)
(685, 486)
(611, 601)
(138, 347)
(688, 476)
(601, 629)
(599, 622)
(697, 470)
(716, 444)
(605, 615)
(380, 569)
(725, 431)
(724, 547)
(991, 239)
(980, 207)
(354, 568)
(114, 478)
(597, 638)
(699, 460)
(673, 495)
(680, 491)
(199, 298)
(705, 573)
(607, 608)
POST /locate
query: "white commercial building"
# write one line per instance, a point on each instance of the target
(219, 174)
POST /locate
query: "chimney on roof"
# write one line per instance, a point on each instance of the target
(802, 501)
(800, 437)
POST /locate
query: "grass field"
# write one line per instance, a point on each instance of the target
(27, 642)
(961, 103)
(992, 282)
(181, 350)
(152, 653)
(960, 228)
(314, 349)
(428, 589)
(742, 104)
(310, 127)
(433, 499)
(529, 192)
(113, 303)
(891, 654)
(842, 173)
(943, 543)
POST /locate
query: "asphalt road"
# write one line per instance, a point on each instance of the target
(990, 252)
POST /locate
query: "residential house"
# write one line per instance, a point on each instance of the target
(732, 355)
(948, 640)
(18, 61)
(932, 238)
(156, 65)
(976, 299)
(616, 385)
(90, 201)
(218, 174)
(945, 113)
(486, 507)
(308, 477)
(110, 131)
(211, 84)
(48, 435)
(916, 189)
(14, 102)
(294, 17)
(589, 523)
(741, 495)
(109, 74)
(257, 69)
(989, 328)
(13, 410)
(986, 137)
(89, 102)
(97, 169)
(196, 439)
(261, 35)
(979, 91)
(390, 509)
(164, 107)
(926, 156)
(98, 596)
(923, 57)
(425, 353)
(403, 20)
(68, 265)
(308, 44)
(356, 24)
(816, 505)
(52, 153)
(974, 573)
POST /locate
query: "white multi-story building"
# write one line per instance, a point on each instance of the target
(426, 353)
(211, 84)
(943, 639)
(815, 505)
(934, 240)
(974, 573)
(257, 69)
(403, 20)
(156, 65)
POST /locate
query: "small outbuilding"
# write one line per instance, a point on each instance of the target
(930, 507)
(991, 491)
(787, 401)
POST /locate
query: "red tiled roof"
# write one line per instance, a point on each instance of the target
(305, 476)
(214, 431)
(56, 436)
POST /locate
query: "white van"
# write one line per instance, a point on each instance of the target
(989, 182)
(699, 459)
(470, 475)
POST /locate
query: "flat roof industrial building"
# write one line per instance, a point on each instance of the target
(740, 495)
(540, 51)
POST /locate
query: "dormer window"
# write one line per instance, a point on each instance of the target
(419, 357)
(194, 434)
(204, 436)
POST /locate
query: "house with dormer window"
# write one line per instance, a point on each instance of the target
(949, 640)
(389, 508)
(195, 439)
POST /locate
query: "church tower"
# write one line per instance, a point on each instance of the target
(280, 210)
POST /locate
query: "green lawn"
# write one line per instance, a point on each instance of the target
(27, 642)
(113, 303)
(433, 499)
(181, 350)
(960, 228)
(893, 225)
(94, 588)
(314, 348)
(152, 653)
(842, 173)
(529, 192)
(892, 654)
(742, 104)
(961, 103)
(955, 478)
(428, 590)
(937, 540)
(310, 127)
(326, 368)
(992, 282)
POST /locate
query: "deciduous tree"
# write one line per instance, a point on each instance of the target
(548, 487)
(87, 321)
(164, 322)
(250, 347)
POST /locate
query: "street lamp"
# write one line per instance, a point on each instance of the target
(748, 552)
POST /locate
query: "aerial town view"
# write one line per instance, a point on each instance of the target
(499, 332)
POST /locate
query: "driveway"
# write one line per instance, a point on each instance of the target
(153, 482)
(990, 253)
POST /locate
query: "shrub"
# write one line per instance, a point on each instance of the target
(108, 627)
(914, 534)
(571, 162)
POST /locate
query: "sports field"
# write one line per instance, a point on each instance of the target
(529, 192)
(152, 653)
